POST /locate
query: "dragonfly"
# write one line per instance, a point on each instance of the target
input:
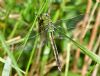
(44, 20)
(47, 28)
(45, 23)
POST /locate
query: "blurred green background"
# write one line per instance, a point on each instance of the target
(19, 30)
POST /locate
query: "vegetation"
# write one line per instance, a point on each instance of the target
(76, 35)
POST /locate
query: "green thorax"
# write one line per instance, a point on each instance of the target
(45, 22)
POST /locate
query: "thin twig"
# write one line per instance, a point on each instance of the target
(77, 55)
(92, 38)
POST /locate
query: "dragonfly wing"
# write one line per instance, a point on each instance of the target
(31, 38)
(68, 23)
(20, 45)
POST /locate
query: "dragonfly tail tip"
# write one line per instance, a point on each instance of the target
(59, 68)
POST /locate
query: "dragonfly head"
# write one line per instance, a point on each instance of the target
(45, 16)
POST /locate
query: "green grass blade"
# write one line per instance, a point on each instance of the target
(67, 59)
(92, 55)
(31, 56)
(27, 36)
(34, 22)
(6, 48)
(4, 61)
(7, 67)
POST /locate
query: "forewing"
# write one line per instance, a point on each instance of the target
(69, 23)
(66, 25)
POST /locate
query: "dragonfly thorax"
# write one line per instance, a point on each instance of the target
(45, 22)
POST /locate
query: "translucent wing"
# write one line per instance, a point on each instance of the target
(69, 23)
(63, 25)
(20, 41)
